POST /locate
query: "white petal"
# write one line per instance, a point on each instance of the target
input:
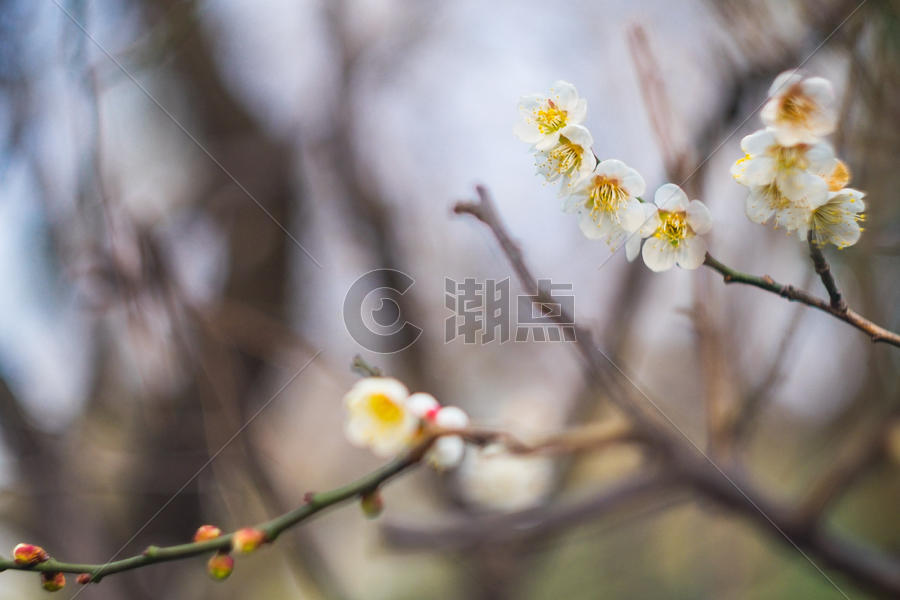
(447, 452)
(658, 254)
(577, 112)
(589, 227)
(757, 170)
(784, 81)
(670, 197)
(791, 135)
(632, 246)
(612, 168)
(758, 142)
(527, 131)
(452, 417)
(691, 253)
(819, 90)
(698, 217)
(803, 188)
(564, 94)
(574, 202)
(420, 404)
(757, 206)
(530, 103)
(821, 158)
(631, 215)
(546, 142)
(651, 219)
(633, 183)
(578, 134)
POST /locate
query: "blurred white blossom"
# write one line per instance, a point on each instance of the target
(800, 110)
(378, 417)
(494, 478)
(837, 221)
(448, 450)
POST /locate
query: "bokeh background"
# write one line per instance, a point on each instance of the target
(150, 305)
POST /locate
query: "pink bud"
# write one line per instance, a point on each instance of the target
(29, 554)
(83, 578)
(53, 582)
(247, 540)
(206, 533)
(220, 566)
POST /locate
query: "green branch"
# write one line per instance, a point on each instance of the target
(838, 310)
(272, 529)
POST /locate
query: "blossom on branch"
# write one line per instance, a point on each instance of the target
(837, 221)
(29, 554)
(378, 416)
(570, 159)
(787, 182)
(606, 202)
(220, 566)
(448, 450)
(799, 110)
(674, 226)
(53, 582)
(544, 116)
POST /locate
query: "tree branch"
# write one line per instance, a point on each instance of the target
(824, 271)
(876, 332)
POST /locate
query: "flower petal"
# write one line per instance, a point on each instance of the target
(698, 217)
(758, 142)
(658, 255)
(691, 253)
(670, 197)
(784, 81)
(632, 246)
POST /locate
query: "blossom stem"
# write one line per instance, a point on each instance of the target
(838, 309)
(824, 271)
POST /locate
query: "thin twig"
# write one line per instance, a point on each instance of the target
(876, 332)
(824, 271)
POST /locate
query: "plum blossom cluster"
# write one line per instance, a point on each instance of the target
(794, 178)
(384, 417)
(606, 194)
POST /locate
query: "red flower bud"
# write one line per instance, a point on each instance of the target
(83, 578)
(53, 582)
(371, 504)
(206, 533)
(28, 554)
(247, 540)
(220, 566)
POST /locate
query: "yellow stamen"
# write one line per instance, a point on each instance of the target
(385, 410)
(673, 228)
(606, 196)
(796, 107)
(566, 156)
(550, 118)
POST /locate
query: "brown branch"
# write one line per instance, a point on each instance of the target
(876, 332)
(824, 271)
(529, 523)
(729, 489)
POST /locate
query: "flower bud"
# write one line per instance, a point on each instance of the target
(206, 533)
(29, 554)
(247, 540)
(83, 578)
(220, 566)
(371, 504)
(53, 582)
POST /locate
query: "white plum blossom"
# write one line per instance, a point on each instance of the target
(448, 450)
(674, 227)
(787, 182)
(800, 110)
(606, 202)
(570, 159)
(494, 478)
(378, 417)
(837, 221)
(545, 115)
